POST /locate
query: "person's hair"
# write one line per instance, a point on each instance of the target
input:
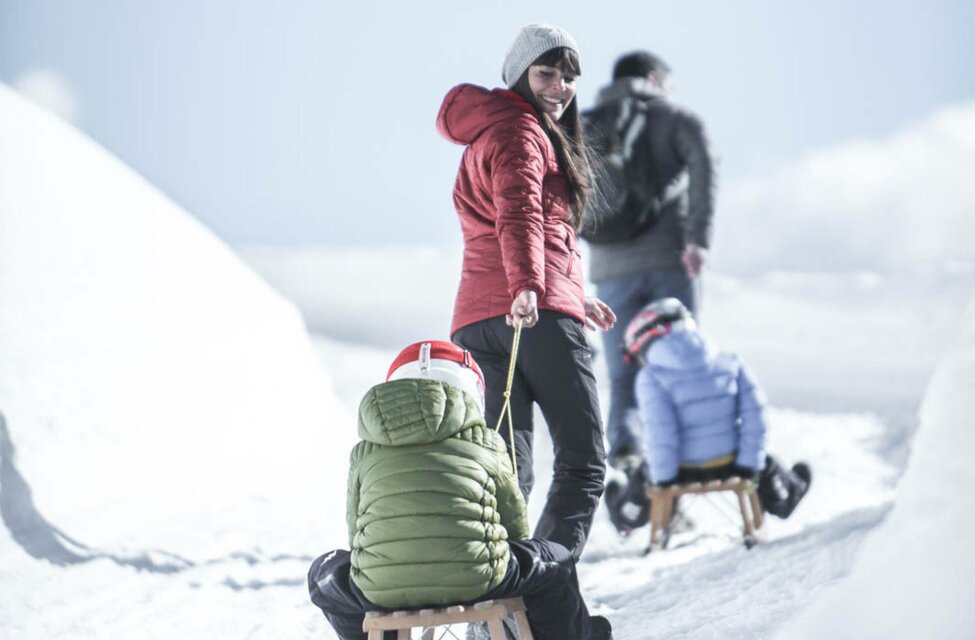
(640, 63)
(566, 134)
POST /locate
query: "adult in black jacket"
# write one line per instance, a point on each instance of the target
(667, 259)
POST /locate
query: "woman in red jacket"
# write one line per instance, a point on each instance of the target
(520, 194)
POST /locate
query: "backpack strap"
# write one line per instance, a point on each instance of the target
(634, 114)
(630, 125)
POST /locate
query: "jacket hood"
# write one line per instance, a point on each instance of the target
(627, 87)
(687, 349)
(468, 110)
(415, 411)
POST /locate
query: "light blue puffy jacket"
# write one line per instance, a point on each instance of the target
(697, 405)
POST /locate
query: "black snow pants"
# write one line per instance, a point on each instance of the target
(554, 369)
(540, 571)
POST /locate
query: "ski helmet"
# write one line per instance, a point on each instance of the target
(443, 361)
(657, 319)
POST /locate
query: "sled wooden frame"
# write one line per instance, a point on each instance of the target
(493, 612)
(662, 505)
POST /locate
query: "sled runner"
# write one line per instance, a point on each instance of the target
(493, 612)
(662, 503)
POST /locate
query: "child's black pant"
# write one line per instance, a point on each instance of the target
(540, 571)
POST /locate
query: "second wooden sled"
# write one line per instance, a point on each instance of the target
(662, 504)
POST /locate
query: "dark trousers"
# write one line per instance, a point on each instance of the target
(554, 369)
(540, 571)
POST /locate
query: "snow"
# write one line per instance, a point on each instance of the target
(173, 444)
(164, 421)
(915, 579)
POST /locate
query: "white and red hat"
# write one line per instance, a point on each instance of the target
(443, 361)
(655, 320)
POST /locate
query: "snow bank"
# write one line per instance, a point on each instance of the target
(914, 578)
(154, 393)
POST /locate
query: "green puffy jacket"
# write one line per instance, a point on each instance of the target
(432, 497)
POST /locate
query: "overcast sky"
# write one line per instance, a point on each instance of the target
(312, 123)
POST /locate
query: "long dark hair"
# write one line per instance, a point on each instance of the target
(566, 133)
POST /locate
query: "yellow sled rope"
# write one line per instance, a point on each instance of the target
(506, 407)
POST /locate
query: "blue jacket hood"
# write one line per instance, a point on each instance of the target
(681, 349)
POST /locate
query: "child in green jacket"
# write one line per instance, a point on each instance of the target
(434, 512)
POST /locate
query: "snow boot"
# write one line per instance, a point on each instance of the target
(802, 470)
(626, 499)
(780, 489)
(601, 628)
(804, 473)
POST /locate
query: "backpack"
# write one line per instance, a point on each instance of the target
(625, 203)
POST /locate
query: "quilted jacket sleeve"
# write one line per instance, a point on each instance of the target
(511, 504)
(692, 146)
(352, 497)
(517, 171)
(662, 427)
(751, 422)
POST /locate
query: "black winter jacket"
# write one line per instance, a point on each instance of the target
(683, 172)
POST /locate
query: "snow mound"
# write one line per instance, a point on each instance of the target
(914, 577)
(149, 381)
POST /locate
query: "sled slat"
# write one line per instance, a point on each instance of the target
(492, 612)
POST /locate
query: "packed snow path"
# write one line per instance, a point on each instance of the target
(707, 585)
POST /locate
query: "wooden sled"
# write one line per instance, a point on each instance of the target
(662, 505)
(492, 612)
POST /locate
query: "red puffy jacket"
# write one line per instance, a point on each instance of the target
(514, 208)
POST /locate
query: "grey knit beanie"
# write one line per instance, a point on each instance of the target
(531, 42)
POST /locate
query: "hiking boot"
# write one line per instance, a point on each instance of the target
(601, 628)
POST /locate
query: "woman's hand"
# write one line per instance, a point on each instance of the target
(598, 314)
(524, 309)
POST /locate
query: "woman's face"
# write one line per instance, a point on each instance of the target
(553, 89)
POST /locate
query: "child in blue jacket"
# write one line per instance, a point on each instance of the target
(702, 412)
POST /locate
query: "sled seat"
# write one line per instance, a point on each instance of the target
(662, 505)
(493, 612)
